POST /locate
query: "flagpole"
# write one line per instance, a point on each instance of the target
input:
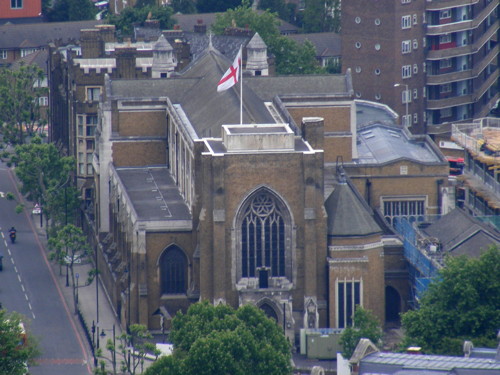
(241, 87)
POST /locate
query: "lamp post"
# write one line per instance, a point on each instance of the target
(94, 343)
(113, 352)
(407, 99)
(77, 276)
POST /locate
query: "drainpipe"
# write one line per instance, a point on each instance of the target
(438, 187)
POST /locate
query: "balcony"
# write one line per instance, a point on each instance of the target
(440, 4)
(464, 50)
(462, 25)
(439, 79)
(449, 102)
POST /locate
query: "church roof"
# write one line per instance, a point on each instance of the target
(347, 215)
(162, 44)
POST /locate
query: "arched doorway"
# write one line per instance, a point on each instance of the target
(269, 311)
(392, 305)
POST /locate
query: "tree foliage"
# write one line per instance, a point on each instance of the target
(291, 57)
(20, 92)
(462, 304)
(15, 350)
(321, 16)
(42, 171)
(211, 340)
(278, 7)
(128, 17)
(366, 325)
(71, 10)
(184, 6)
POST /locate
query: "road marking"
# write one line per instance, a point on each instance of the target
(19, 278)
(10, 254)
(26, 296)
(60, 361)
(2, 194)
(22, 287)
(15, 269)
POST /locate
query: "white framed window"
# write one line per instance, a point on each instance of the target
(445, 63)
(377, 72)
(446, 38)
(445, 112)
(415, 118)
(378, 96)
(377, 21)
(407, 120)
(357, 20)
(424, 67)
(92, 93)
(424, 17)
(405, 1)
(358, 69)
(27, 51)
(415, 93)
(377, 47)
(406, 71)
(406, 22)
(3, 54)
(16, 4)
(445, 88)
(406, 46)
(443, 14)
(424, 42)
(412, 208)
(349, 295)
(415, 44)
(405, 97)
(358, 94)
(43, 101)
(403, 169)
(424, 92)
(415, 19)
(415, 68)
(358, 45)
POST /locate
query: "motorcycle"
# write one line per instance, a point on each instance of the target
(12, 236)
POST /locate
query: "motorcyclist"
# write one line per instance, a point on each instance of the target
(12, 234)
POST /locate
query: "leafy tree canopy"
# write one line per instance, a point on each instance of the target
(291, 57)
(366, 325)
(19, 102)
(184, 6)
(276, 6)
(321, 16)
(125, 21)
(71, 10)
(211, 340)
(463, 304)
(16, 347)
(210, 6)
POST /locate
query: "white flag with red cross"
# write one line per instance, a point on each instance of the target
(231, 77)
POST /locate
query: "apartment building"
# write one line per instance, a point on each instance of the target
(434, 62)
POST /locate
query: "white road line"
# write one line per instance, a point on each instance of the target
(15, 269)
(12, 260)
(26, 296)
(5, 242)
(22, 287)
(19, 278)
(10, 254)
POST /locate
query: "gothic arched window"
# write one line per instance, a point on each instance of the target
(173, 269)
(263, 237)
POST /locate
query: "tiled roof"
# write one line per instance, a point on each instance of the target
(327, 44)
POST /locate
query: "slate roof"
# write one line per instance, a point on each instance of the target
(38, 58)
(326, 44)
(347, 214)
(20, 20)
(460, 234)
(41, 34)
(411, 364)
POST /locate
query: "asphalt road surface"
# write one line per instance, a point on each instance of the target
(28, 286)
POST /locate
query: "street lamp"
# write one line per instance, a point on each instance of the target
(113, 352)
(407, 99)
(77, 276)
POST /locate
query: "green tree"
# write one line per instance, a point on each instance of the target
(291, 57)
(20, 91)
(70, 246)
(71, 10)
(42, 171)
(210, 6)
(365, 325)
(17, 347)
(211, 340)
(462, 304)
(184, 6)
(125, 21)
(276, 6)
(321, 16)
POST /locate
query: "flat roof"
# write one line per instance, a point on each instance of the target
(379, 144)
(154, 194)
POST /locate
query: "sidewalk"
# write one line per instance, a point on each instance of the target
(95, 310)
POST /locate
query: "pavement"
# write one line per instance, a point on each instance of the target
(96, 321)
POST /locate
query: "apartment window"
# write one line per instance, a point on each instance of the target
(43, 101)
(91, 123)
(358, 69)
(407, 120)
(90, 170)
(415, 19)
(377, 72)
(415, 118)
(27, 51)
(446, 38)
(406, 46)
(378, 96)
(377, 47)
(406, 71)
(415, 93)
(444, 64)
(93, 93)
(90, 145)
(357, 20)
(405, 97)
(445, 88)
(443, 14)
(403, 170)
(3, 54)
(348, 297)
(406, 22)
(415, 43)
(358, 45)
(415, 68)
(412, 209)
(405, 1)
(424, 95)
(16, 4)
(377, 21)
(424, 42)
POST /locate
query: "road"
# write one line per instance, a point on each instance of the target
(29, 286)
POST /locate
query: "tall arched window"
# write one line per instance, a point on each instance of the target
(173, 268)
(263, 228)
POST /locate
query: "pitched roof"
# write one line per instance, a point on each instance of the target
(327, 44)
(41, 34)
(460, 234)
(347, 214)
(38, 58)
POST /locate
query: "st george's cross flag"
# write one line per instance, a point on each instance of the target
(231, 77)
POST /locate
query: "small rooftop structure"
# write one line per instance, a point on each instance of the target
(261, 137)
